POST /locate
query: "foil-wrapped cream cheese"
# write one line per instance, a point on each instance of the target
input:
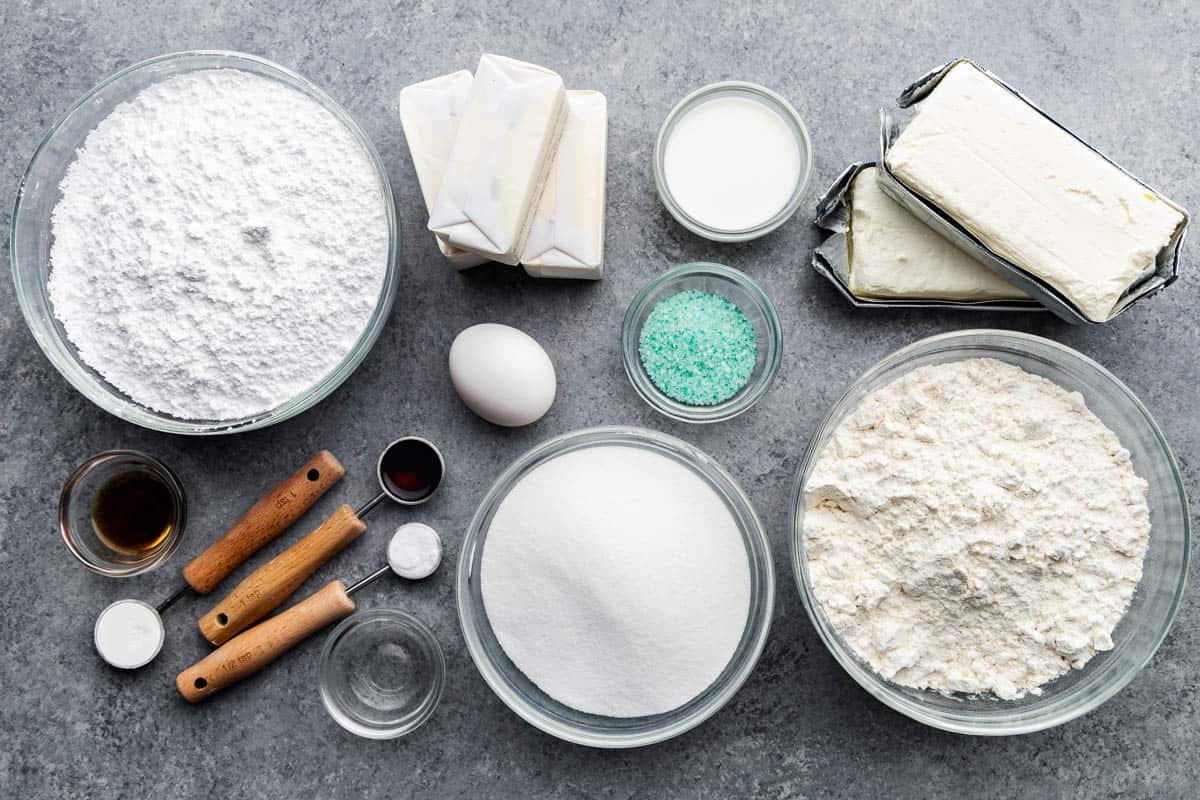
(894, 255)
(1031, 192)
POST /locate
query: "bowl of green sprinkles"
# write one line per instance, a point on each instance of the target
(701, 343)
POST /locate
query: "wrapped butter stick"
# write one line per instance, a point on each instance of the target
(429, 114)
(1000, 177)
(500, 159)
(567, 237)
(881, 256)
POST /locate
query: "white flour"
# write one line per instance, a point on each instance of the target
(616, 580)
(219, 246)
(974, 528)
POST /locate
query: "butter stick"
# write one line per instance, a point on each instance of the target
(500, 159)
(429, 114)
(567, 236)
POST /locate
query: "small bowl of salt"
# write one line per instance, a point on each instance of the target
(701, 343)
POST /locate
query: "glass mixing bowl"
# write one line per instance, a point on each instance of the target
(544, 712)
(381, 673)
(734, 286)
(1153, 607)
(31, 238)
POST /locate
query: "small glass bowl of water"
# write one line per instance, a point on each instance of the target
(381, 674)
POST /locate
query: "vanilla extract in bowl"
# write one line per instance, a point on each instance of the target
(133, 512)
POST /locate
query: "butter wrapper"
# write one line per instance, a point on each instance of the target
(892, 123)
(497, 167)
(831, 258)
(429, 114)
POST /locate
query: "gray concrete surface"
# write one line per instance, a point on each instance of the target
(1127, 76)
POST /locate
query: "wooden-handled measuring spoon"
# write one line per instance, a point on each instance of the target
(266, 519)
(250, 651)
(409, 469)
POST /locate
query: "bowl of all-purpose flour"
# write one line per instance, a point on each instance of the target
(615, 587)
(990, 533)
(206, 242)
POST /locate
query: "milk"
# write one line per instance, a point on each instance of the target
(731, 163)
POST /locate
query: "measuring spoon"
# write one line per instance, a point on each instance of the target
(266, 519)
(409, 470)
(250, 651)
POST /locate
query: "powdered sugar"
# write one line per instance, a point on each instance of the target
(972, 528)
(219, 247)
(617, 580)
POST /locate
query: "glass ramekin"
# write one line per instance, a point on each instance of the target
(30, 238)
(1155, 602)
(75, 513)
(736, 287)
(544, 712)
(759, 94)
(391, 656)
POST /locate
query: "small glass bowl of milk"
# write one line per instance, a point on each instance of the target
(732, 161)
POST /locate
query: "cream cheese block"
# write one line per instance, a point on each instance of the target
(429, 114)
(1031, 192)
(567, 236)
(893, 255)
(507, 137)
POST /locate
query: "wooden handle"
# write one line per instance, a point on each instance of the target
(251, 651)
(268, 586)
(265, 520)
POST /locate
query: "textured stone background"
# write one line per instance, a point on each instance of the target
(1126, 76)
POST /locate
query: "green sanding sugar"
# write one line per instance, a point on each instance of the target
(698, 348)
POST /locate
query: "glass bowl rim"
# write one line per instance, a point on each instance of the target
(469, 620)
(981, 338)
(428, 705)
(770, 98)
(701, 415)
(107, 397)
(164, 551)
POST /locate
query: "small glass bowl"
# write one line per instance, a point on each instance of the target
(30, 239)
(540, 709)
(1164, 571)
(381, 673)
(736, 287)
(759, 94)
(75, 513)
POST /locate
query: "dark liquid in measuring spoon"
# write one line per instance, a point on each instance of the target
(133, 512)
(412, 470)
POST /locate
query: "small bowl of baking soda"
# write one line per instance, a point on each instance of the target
(701, 343)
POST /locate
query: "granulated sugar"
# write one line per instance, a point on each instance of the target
(219, 246)
(616, 579)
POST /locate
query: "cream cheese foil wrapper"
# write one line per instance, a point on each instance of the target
(894, 120)
(832, 257)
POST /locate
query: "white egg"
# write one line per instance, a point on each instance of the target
(502, 374)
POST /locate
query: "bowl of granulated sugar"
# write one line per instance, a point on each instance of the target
(615, 587)
(206, 242)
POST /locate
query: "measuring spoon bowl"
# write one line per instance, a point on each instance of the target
(410, 470)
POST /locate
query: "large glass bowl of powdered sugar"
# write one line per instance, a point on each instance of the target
(989, 533)
(615, 587)
(206, 242)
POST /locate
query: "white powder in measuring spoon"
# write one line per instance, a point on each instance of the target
(219, 246)
(128, 634)
(616, 579)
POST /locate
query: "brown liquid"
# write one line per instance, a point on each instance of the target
(412, 470)
(133, 512)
